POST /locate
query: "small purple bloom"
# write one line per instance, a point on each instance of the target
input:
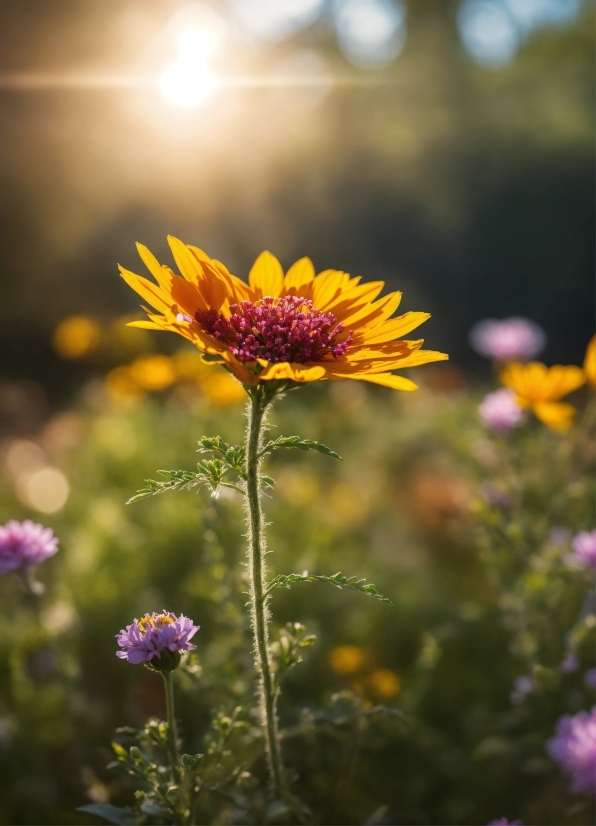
(502, 821)
(559, 536)
(570, 663)
(494, 496)
(500, 411)
(157, 635)
(584, 549)
(511, 339)
(590, 678)
(574, 749)
(25, 544)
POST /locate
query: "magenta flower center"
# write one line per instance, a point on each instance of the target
(277, 329)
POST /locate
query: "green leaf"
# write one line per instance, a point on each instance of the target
(113, 814)
(191, 761)
(338, 580)
(175, 480)
(299, 444)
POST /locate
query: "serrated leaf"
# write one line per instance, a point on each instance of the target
(338, 580)
(299, 444)
(113, 814)
(175, 480)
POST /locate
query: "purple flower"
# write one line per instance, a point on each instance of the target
(500, 411)
(502, 821)
(25, 544)
(511, 339)
(590, 678)
(574, 749)
(584, 549)
(570, 663)
(160, 636)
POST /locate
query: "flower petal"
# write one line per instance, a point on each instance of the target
(590, 361)
(386, 380)
(266, 276)
(295, 372)
(392, 329)
(299, 274)
(558, 416)
(147, 290)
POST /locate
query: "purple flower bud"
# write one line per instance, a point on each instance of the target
(157, 639)
(25, 544)
(511, 339)
(574, 749)
(500, 411)
(584, 549)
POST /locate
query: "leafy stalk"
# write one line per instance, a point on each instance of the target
(258, 595)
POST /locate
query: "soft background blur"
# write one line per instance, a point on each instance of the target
(445, 147)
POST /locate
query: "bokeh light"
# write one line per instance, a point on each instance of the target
(493, 30)
(488, 31)
(371, 33)
(45, 490)
(274, 19)
(190, 80)
(76, 336)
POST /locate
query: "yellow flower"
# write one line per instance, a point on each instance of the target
(539, 388)
(76, 336)
(383, 684)
(590, 361)
(348, 659)
(153, 372)
(300, 327)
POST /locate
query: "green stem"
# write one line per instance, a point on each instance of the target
(171, 717)
(258, 597)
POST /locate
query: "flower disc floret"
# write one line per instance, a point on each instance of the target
(25, 544)
(277, 330)
(156, 637)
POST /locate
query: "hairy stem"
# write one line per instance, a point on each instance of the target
(171, 716)
(258, 597)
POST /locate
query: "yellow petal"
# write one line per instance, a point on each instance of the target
(422, 357)
(266, 276)
(558, 416)
(299, 274)
(387, 380)
(327, 286)
(162, 275)
(296, 372)
(374, 313)
(147, 290)
(392, 329)
(188, 264)
(590, 361)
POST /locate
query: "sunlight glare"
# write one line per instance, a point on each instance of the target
(189, 80)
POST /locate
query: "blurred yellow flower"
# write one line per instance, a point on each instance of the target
(539, 388)
(348, 659)
(219, 387)
(383, 684)
(76, 336)
(121, 385)
(347, 504)
(153, 372)
(590, 362)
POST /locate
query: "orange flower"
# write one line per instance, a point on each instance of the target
(539, 388)
(300, 327)
(590, 361)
